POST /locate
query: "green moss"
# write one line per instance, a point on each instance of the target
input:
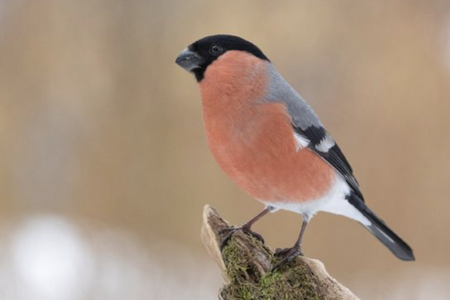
(243, 275)
(291, 281)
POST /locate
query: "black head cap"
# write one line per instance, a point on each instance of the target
(199, 55)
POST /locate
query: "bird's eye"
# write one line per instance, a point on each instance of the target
(215, 50)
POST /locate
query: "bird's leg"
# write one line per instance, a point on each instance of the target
(246, 227)
(289, 253)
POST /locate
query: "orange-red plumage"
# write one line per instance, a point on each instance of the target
(253, 141)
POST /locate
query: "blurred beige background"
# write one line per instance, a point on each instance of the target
(104, 169)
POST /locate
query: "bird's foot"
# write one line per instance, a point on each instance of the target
(228, 233)
(286, 255)
(283, 252)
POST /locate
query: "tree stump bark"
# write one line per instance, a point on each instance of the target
(246, 264)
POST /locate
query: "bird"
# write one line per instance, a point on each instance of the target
(272, 144)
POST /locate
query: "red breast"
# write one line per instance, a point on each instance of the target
(252, 140)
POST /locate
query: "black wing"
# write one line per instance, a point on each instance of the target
(333, 154)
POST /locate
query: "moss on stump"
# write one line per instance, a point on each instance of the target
(292, 281)
(246, 265)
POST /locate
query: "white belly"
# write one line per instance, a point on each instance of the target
(333, 202)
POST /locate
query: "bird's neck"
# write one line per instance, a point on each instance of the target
(235, 80)
(233, 87)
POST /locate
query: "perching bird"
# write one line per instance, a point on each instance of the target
(271, 142)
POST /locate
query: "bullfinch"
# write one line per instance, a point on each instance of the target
(271, 143)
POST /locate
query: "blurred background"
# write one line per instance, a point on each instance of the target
(104, 168)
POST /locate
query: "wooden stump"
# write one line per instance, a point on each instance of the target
(246, 263)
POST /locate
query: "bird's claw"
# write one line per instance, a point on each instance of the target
(283, 252)
(228, 233)
(287, 255)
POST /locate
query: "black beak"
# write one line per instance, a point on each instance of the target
(188, 60)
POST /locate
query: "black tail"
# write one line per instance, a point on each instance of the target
(379, 229)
